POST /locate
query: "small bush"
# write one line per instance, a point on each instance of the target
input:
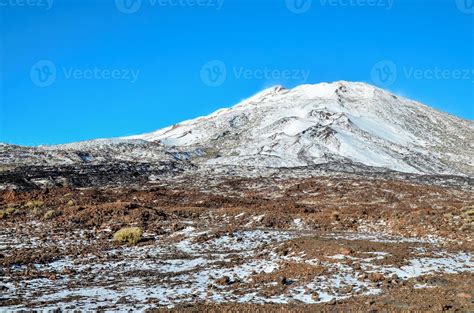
(34, 204)
(2, 215)
(9, 211)
(49, 215)
(128, 235)
(71, 203)
(469, 212)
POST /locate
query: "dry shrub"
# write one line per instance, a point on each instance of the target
(128, 235)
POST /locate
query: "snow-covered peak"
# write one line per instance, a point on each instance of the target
(263, 96)
(319, 91)
(340, 121)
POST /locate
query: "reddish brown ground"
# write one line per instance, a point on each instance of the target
(324, 205)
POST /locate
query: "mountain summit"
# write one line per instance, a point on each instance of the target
(341, 123)
(314, 124)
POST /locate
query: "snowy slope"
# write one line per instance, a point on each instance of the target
(98, 151)
(337, 123)
(313, 124)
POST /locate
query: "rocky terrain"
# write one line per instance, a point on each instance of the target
(330, 197)
(329, 242)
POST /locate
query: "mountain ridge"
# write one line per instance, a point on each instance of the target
(331, 115)
(307, 125)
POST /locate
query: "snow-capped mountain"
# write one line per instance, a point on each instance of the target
(305, 126)
(341, 121)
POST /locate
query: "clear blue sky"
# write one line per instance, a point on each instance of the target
(129, 68)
